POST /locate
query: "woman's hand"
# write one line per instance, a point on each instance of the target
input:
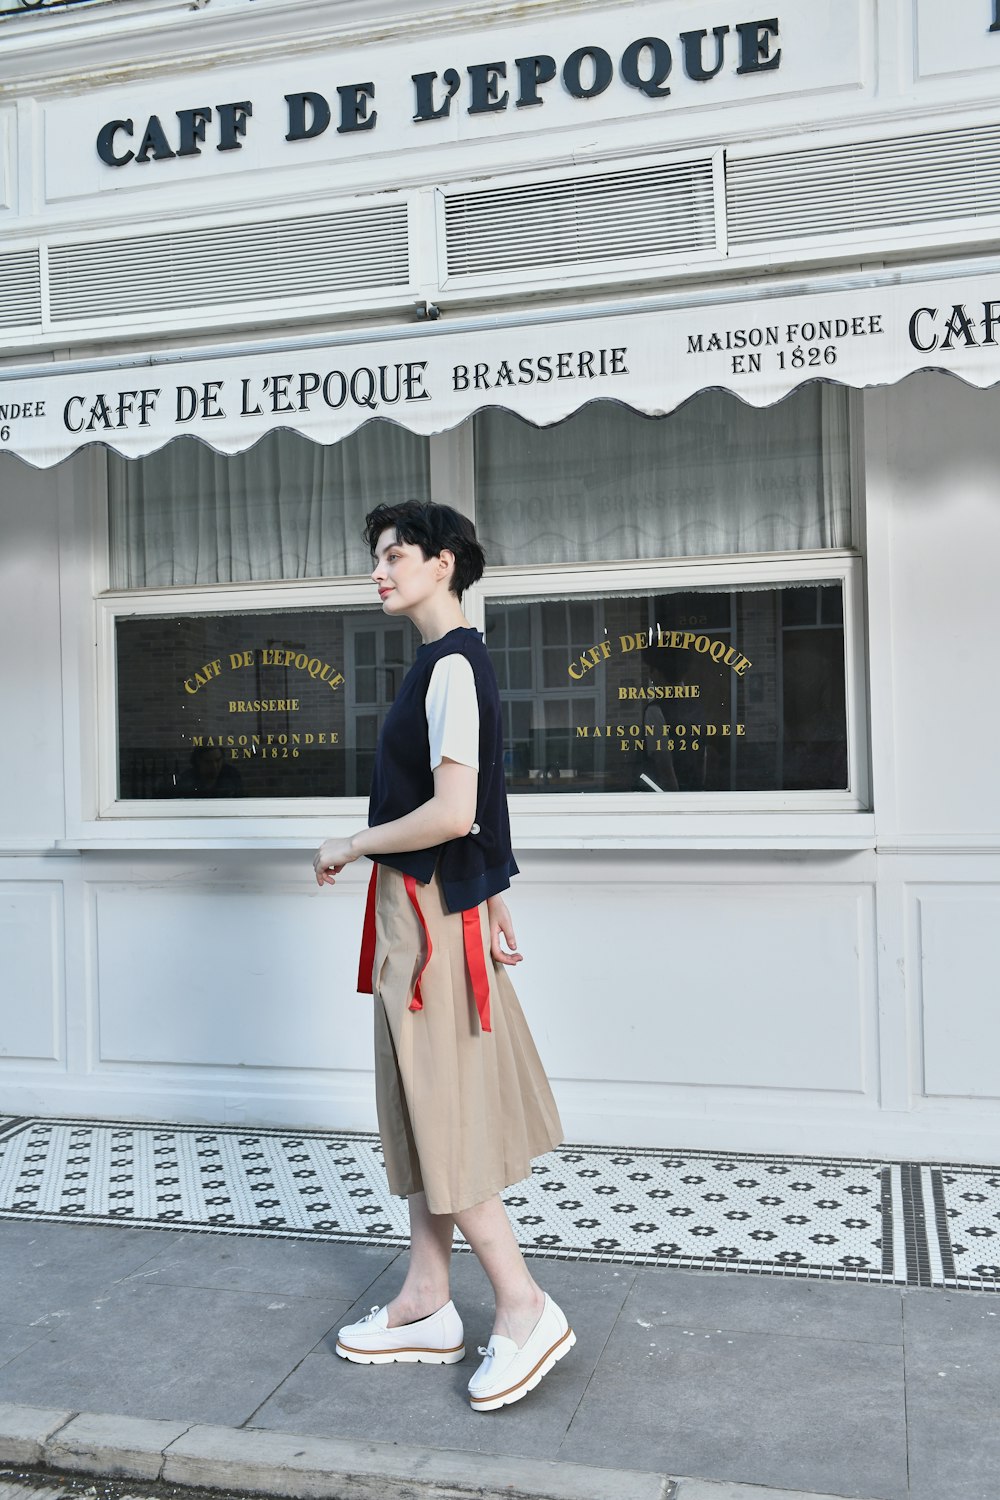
(501, 923)
(331, 857)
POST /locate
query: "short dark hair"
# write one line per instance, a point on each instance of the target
(432, 528)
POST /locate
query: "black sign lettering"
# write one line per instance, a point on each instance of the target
(601, 66)
(486, 95)
(576, 364)
(194, 123)
(755, 46)
(106, 143)
(660, 62)
(308, 115)
(930, 328)
(693, 43)
(354, 107)
(423, 83)
(645, 65)
(534, 71)
(233, 124)
(154, 143)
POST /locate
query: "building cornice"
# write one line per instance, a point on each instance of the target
(48, 51)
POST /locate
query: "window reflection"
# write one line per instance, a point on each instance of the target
(674, 692)
(278, 704)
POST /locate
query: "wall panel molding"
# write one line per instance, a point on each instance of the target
(32, 945)
(954, 958)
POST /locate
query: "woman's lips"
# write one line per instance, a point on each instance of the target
(383, 592)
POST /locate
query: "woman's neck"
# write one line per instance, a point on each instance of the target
(437, 617)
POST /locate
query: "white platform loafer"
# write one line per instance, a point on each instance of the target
(437, 1340)
(507, 1373)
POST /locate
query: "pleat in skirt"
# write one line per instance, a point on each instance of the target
(461, 1111)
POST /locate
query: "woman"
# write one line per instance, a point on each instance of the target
(463, 1102)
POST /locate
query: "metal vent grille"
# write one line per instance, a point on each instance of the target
(20, 289)
(650, 212)
(311, 257)
(916, 179)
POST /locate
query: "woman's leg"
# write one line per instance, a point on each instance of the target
(426, 1285)
(519, 1299)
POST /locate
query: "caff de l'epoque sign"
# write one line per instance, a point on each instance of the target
(432, 378)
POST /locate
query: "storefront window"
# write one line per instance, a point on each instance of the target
(716, 477)
(685, 691)
(671, 605)
(287, 508)
(280, 704)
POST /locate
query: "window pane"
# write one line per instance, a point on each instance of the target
(282, 704)
(288, 508)
(694, 691)
(715, 477)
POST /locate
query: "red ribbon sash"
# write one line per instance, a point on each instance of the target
(417, 1003)
(366, 964)
(475, 962)
(472, 940)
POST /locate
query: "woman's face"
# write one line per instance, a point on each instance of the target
(404, 577)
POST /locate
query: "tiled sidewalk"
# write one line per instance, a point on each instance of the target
(896, 1223)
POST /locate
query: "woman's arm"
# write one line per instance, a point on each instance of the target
(449, 814)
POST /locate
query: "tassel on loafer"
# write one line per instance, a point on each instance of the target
(508, 1373)
(437, 1340)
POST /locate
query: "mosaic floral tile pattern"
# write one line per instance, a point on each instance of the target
(967, 1219)
(759, 1215)
(756, 1214)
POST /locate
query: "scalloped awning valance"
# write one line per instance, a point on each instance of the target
(759, 344)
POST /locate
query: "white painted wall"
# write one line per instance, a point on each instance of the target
(32, 810)
(31, 741)
(944, 577)
(825, 1002)
(934, 508)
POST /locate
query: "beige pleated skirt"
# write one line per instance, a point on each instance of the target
(461, 1111)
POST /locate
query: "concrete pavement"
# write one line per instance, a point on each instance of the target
(218, 1349)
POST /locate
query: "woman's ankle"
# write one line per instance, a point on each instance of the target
(413, 1304)
(517, 1315)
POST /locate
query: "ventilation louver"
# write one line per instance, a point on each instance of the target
(313, 257)
(20, 289)
(855, 188)
(649, 212)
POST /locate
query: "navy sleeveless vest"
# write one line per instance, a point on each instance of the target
(481, 864)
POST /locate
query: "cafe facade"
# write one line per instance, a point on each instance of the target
(696, 311)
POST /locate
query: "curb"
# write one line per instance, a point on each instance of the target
(316, 1468)
(300, 1468)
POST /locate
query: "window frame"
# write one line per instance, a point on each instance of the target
(235, 599)
(603, 581)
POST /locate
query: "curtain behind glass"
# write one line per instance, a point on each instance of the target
(715, 477)
(288, 508)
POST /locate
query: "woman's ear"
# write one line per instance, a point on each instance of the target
(447, 557)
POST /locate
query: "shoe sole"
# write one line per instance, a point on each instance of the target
(401, 1356)
(519, 1391)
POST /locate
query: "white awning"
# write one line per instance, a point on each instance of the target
(758, 344)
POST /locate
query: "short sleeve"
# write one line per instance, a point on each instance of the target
(453, 712)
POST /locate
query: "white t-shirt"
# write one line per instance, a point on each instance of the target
(453, 712)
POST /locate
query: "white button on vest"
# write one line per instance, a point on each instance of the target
(474, 828)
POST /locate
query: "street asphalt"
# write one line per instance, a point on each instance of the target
(208, 1359)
